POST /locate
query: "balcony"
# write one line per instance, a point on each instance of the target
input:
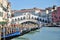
(4, 8)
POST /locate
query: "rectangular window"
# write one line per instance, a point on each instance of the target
(55, 17)
(59, 17)
(0, 5)
(1, 14)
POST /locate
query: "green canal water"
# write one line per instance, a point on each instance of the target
(44, 33)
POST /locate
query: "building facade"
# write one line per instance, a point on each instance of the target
(5, 10)
(49, 14)
(56, 15)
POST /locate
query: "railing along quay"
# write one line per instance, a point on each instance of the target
(5, 30)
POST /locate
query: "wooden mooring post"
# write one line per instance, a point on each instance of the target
(0, 31)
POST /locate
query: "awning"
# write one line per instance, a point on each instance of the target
(2, 23)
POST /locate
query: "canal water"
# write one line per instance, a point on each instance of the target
(44, 33)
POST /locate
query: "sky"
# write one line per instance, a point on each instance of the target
(26, 4)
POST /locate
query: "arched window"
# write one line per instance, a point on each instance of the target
(35, 18)
(23, 17)
(48, 21)
(45, 21)
(18, 19)
(15, 19)
(32, 17)
(40, 20)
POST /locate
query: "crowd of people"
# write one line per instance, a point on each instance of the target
(4, 29)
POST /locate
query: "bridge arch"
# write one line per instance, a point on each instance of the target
(28, 17)
(27, 22)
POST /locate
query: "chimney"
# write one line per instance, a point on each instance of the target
(54, 7)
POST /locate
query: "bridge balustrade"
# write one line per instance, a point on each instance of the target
(17, 19)
(24, 18)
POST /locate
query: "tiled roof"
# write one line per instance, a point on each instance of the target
(28, 10)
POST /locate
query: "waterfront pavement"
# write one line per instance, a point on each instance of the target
(11, 29)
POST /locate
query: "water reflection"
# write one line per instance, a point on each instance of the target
(44, 33)
(21, 38)
(26, 38)
(33, 32)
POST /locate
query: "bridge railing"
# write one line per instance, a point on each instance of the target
(19, 19)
